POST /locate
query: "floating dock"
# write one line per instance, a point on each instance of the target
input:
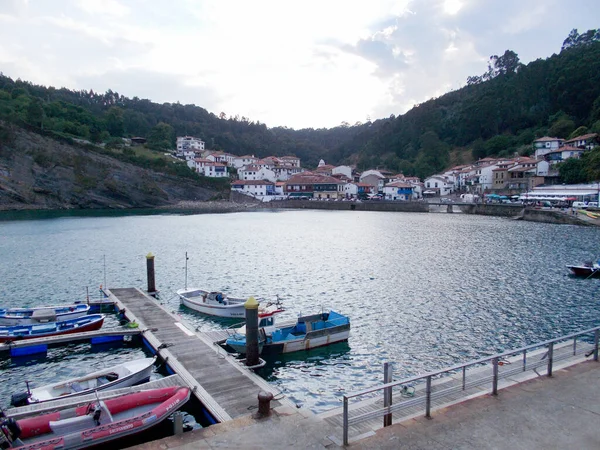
(226, 388)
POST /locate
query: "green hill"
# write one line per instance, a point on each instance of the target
(498, 113)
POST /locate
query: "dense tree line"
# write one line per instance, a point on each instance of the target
(498, 113)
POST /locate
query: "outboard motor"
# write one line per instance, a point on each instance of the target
(19, 399)
(9, 432)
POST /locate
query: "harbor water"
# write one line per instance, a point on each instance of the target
(423, 291)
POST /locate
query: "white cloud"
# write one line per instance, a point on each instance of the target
(108, 7)
(310, 63)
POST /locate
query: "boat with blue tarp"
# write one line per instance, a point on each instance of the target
(90, 322)
(42, 314)
(307, 332)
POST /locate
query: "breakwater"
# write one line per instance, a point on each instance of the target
(381, 206)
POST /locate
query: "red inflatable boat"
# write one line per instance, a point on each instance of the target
(95, 423)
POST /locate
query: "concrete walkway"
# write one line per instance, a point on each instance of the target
(543, 413)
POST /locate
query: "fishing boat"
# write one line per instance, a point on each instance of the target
(94, 423)
(127, 374)
(587, 269)
(212, 303)
(307, 332)
(86, 323)
(42, 314)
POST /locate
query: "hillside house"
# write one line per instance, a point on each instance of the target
(545, 145)
(584, 142)
(254, 172)
(398, 190)
(255, 188)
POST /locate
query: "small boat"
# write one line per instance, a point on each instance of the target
(94, 423)
(127, 374)
(213, 303)
(588, 269)
(42, 314)
(86, 323)
(308, 332)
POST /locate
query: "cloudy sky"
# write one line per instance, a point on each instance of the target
(283, 62)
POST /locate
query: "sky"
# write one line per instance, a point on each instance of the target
(281, 62)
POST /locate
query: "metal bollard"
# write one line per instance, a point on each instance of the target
(177, 423)
(264, 403)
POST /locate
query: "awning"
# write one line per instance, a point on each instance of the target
(429, 192)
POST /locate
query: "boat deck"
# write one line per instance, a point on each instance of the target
(226, 388)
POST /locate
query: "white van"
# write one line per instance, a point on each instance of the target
(579, 205)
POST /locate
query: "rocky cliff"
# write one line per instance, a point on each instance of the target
(37, 172)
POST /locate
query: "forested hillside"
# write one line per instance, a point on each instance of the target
(498, 113)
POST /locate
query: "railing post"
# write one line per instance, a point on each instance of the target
(428, 398)
(574, 346)
(524, 360)
(464, 377)
(345, 432)
(596, 339)
(495, 376)
(550, 356)
(387, 393)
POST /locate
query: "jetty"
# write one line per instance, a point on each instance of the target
(226, 388)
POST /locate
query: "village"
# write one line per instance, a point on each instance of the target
(282, 177)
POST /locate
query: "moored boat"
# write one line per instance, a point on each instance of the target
(86, 323)
(94, 423)
(42, 314)
(123, 375)
(587, 269)
(213, 303)
(307, 332)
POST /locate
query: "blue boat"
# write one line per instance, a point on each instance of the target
(316, 330)
(87, 323)
(42, 314)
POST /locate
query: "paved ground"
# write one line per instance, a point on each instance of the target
(561, 412)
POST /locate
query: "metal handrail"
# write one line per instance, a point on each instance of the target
(495, 359)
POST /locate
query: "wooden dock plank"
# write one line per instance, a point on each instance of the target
(221, 384)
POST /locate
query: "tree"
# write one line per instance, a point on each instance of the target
(114, 120)
(35, 113)
(572, 171)
(162, 137)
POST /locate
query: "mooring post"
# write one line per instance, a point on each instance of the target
(264, 403)
(177, 423)
(387, 393)
(150, 272)
(251, 307)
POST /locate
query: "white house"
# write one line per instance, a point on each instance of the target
(246, 160)
(284, 173)
(373, 178)
(566, 152)
(545, 145)
(398, 190)
(485, 176)
(213, 170)
(222, 157)
(289, 161)
(254, 172)
(439, 185)
(344, 170)
(189, 143)
(254, 188)
(586, 142)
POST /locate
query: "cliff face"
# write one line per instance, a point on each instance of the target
(40, 173)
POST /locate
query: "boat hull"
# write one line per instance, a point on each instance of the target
(121, 417)
(25, 316)
(88, 323)
(231, 308)
(584, 271)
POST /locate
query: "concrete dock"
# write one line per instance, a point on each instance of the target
(562, 411)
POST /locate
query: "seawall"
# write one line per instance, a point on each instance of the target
(348, 206)
(528, 214)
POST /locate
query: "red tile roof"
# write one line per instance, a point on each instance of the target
(583, 137)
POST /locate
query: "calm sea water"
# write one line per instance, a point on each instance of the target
(423, 291)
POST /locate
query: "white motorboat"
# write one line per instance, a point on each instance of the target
(127, 374)
(213, 303)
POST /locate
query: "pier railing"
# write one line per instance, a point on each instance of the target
(411, 395)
